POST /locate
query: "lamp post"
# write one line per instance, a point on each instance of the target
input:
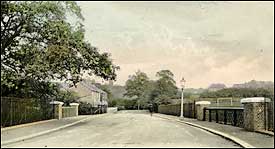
(182, 83)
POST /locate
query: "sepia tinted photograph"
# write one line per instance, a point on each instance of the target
(137, 74)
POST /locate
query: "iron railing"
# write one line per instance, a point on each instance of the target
(224, 115)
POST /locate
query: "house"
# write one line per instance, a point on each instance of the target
(96, 97)
(89, 93)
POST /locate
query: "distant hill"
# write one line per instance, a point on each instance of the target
(255, 84)
(216, 87)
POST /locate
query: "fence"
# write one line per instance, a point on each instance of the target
(189, 109)
(16, 111)
(225, 115)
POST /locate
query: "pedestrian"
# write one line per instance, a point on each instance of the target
(151, 109)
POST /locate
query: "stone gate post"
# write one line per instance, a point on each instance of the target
(255, 113)
(57, 109)
(75, 105)
(200, 105)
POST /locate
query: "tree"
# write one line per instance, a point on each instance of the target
(136, 86)
(165, 87)
(39, 44)
(239, 92)
(67, 97)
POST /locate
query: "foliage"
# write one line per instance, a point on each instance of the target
(30, 88)
(112, 103)
(107, 90)
(148, 91)
(164, 88)
(240, 92)
(116, 91)
(67, 97)
(85, 108)
(39, 44)
(136, 87)
(125, 103)
(128, 104)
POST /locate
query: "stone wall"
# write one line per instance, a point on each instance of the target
(62, 112)
(112, 109)
(68, 112)
(270, 116)
(200, 105)
(174, 109)
(256, 113)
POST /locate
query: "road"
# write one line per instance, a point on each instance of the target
(128, 129)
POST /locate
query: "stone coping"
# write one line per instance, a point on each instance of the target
(225, 108)
(74, 104)
(203, 103)
(255, 99)
(56, 102)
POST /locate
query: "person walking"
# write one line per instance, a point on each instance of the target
(151, 109)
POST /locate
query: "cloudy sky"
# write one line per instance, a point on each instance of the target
(204, 42)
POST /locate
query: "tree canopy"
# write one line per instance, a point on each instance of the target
(136, 85)
(165, 87)
(39, 44)
(147, 91)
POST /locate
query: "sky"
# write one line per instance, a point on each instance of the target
(204, 42)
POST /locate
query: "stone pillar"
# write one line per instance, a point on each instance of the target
(200, 105)
(75, 105)
(254, 113)
(57, 109)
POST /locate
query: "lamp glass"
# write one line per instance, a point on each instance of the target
(182, 82)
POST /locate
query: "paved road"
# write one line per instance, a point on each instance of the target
(127, 129)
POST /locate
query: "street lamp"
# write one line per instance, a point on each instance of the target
(182, 83)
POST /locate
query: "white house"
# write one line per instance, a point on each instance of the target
(89, 93)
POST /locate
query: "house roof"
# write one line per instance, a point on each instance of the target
(91, 87)
(83, 88)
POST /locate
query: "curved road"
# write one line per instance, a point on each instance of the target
(128, 129)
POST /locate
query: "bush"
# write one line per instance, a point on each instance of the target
(125, 104)
(112, 103)
(85, 108)
(130, 104)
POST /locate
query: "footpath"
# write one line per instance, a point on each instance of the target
(26, 131)
(236, 134)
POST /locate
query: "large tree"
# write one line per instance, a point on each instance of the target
(39, 44)
(164, 88)
(136, 86)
